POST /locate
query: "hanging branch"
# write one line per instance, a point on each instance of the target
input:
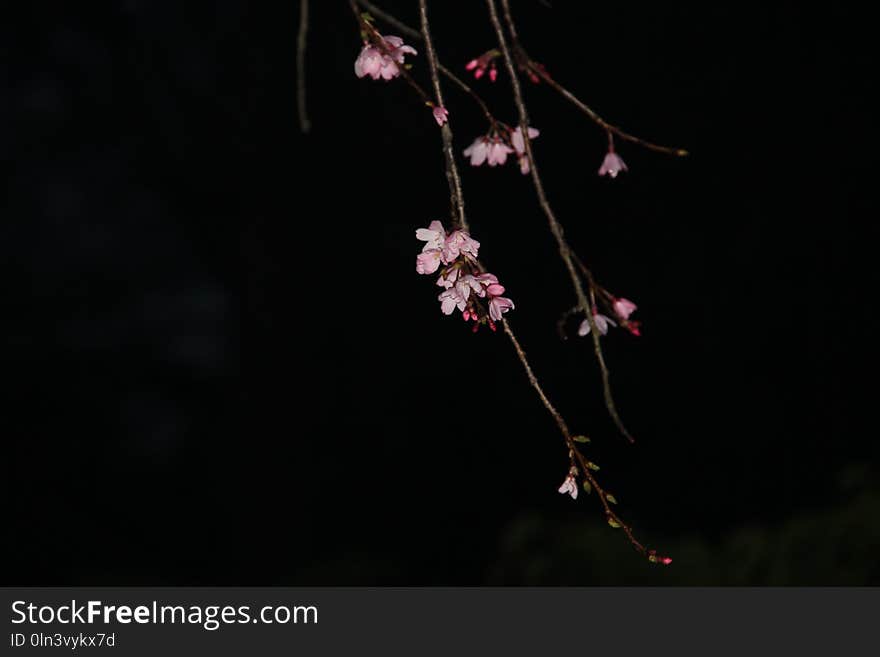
(565, 252)
(533, 68)
(304, 124)
(578, 463)
(452, 176)
(403, 28)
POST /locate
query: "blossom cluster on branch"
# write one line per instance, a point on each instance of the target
(378, 62)
(477, 294)
(501, 141)
(453, 256)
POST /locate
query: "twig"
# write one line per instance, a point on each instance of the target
(574, 453)
(304, 124)
(565, 251)
(403, 28)
(538, 70)
(452, 176)
(378, 41)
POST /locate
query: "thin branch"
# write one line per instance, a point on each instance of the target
(403, 28)
(574, 453)
(565, 251)
(533, 380)
(304, 124)
(456, 196)
(533, 67)
(379, 42)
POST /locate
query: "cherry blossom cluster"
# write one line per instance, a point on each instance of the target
(501, 141)
(372, 61)
(476, 293)
(485, 62)
(622, 309)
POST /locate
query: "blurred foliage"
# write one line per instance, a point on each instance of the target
(828, 546)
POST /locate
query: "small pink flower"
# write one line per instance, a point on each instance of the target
(441, 115)
(376, 64)
(602, 323)
(464, 243)
(434, 236)
(517, 140)
(493, 73)
(478, 151)
(624, 307)
(498, 306)
(569, 486)
(498, 152)
(448, 279)
(467, 284)
(427, 262)
(450, 300)
(487, 279)
(612, 165)
(368, 62)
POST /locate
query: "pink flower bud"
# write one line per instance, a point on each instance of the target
(612, 165)
(624, 307)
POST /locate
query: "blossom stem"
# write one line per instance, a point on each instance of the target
(379, 42)
(304, 124)
(452, 175)
(403, 28)
(565, 251)
(574, 453)
(538, 70)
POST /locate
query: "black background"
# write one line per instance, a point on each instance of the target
(222, 367)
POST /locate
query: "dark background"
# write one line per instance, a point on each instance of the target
(222, 368)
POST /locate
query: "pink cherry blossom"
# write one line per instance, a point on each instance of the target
(498, 306)
(450, 300)
(427, 262)
(601, 321)
(373, 62)
(478, 151)
(441, 115)
(464, 243)
(434, 236)
(569, 486)
(612, 165)
(448, 278)
(467, 284)
(624, 307)
(517, 140)
(487, 279)
(498, 152)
